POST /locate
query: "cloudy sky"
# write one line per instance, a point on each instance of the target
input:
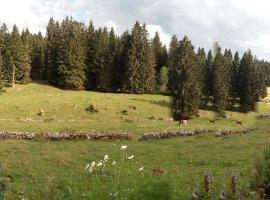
(235, 24)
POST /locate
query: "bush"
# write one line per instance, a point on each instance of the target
(260, 179)
(92, 109)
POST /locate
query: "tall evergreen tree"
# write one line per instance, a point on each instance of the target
(186, 97)
(140, 75)
(71, 69)
(235, 76)
(209, 75)
(158, 51)
(248, 83)
(173, 62)
(20, 56)
(202, 79)
(52, 51)
(90, 56)
(220, 83)
(121, 67)
(38, 58)
(229, 68)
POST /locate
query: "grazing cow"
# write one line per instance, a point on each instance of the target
(239, 122)
(212, 121)
(184, 122)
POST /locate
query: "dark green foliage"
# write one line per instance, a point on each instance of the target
(121, 66)
(235, 78)
(160, 52)
(140, 74)
(52, 51)
(264, 68)
(248, 79)
(71, 66)
(203, 74)
(173, 62)
(38, 71)
(163, 79)
(229, 66)
(220, 84)
(260, 178)
(208, 91)
(187, 93)
(21, 57)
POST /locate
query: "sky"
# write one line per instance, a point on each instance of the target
(236, 24)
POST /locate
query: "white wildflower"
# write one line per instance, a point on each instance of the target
(131, 157)
(124, 147)
(106, 157)
(90, 169)
(99, 164)
(114, 163)
(87, 166)
(140, 169)
(93, 164)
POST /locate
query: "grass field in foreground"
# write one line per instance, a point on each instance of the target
(55, 170)
(65, 111)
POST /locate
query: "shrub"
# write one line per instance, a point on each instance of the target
(92, 109)
(260, 179)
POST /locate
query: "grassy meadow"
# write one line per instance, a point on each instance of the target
(56, 170)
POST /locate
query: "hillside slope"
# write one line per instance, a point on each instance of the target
(66, 111)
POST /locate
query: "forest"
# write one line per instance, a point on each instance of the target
(74, 56)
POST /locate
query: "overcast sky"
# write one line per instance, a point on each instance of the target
(235, 24)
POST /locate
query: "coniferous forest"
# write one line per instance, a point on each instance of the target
(76, 56)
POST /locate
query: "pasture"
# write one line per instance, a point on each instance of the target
(56, 170)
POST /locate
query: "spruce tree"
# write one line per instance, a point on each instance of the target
(38, 58)
(52, 51)
(120, 69)
(248, 92)
(173, 62)
(209, 75)
(235, 77)
(202, 79)
(20, 56)
(220, 83)
(163, 79)
(229, 68)
(186, 97)
(140, 74)
(71, 69)
(90, 56)
(158, 51)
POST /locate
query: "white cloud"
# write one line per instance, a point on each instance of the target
(236, 24)
(164, 37)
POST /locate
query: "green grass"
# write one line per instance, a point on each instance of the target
(55, 170)
(65, 111)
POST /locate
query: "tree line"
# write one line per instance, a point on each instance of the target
(75, 56)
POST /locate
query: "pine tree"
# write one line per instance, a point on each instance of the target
(52, 51)
(235, 85)
(121, 66)
(90, 56)
(71, 69)
(38, 58)
(20, 56)
(163, 79)
(102, 69)
(158, 51)
(202, 79)
(140, 74)
(173, 58)
(220, 83)
(229, 67)
(209, 75)
(248, 92)
(2, 80)
(186, 98)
